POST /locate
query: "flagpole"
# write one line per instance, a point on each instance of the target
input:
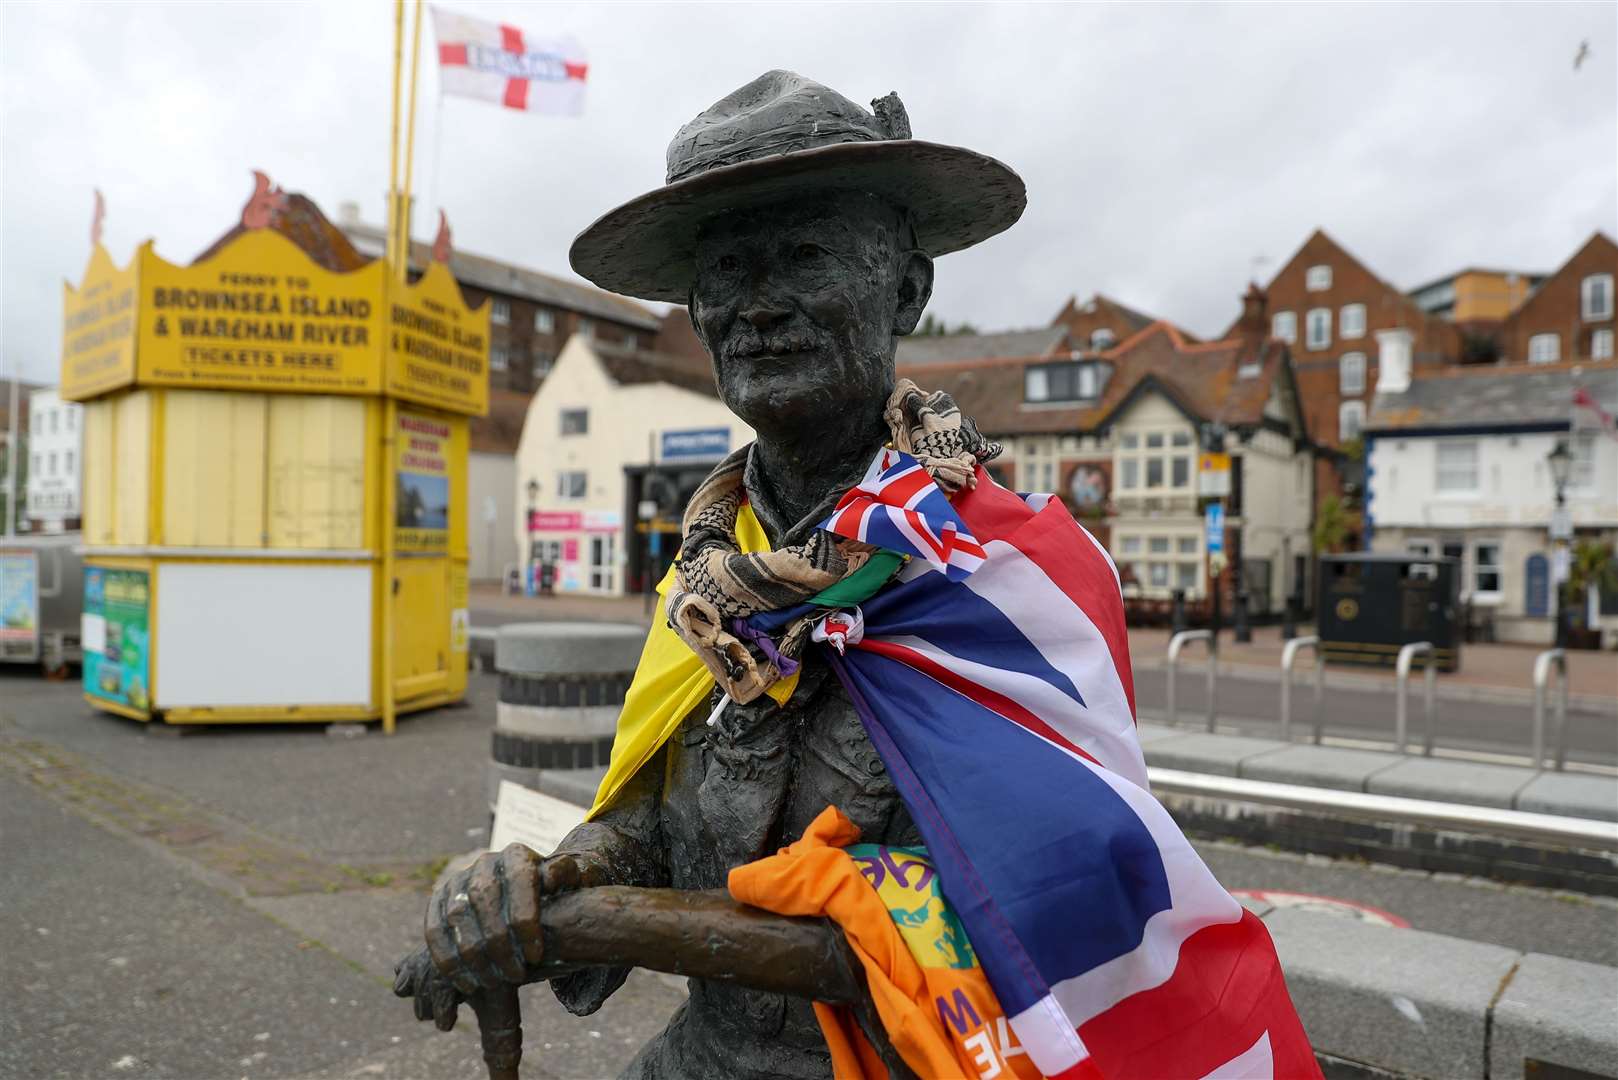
(410, 150)
(392, 249)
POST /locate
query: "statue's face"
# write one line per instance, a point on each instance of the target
(799, 303)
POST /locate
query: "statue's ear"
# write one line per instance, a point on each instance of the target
(691, 313)
(915, 289)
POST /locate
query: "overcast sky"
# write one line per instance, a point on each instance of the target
(1164, 146)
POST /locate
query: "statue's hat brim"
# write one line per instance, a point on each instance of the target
(956, 197)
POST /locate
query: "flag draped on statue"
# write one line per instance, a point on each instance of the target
(992, 676)
(500, 63)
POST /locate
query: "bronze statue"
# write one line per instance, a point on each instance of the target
(800, 230)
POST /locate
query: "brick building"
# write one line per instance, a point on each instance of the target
(533, 314)
(1101, 322)
(1115, 434)
(1570, 316)
(1337, 316)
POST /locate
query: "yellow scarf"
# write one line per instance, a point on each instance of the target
(670, 681)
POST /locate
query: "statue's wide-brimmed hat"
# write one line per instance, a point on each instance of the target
(779, 136)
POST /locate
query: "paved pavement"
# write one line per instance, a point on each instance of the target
(230, 903)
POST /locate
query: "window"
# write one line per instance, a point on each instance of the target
(1158, 545)
(500, 313)
(575, 421)
(1284, 326)
(1350, 419)
(50, 463)
(1544, 348)
(1162, 561)
(1102, 338)
(1160, 458)
(631, 342)
(1131, 545)
(1351, 321)
(39, 459)
(601, 561)
(1485, 568)
(544, 322)
(1317, 278)
(498, 358)
(1186, 545)
(1351, 373)
(1582, 476)
(1595, 297)
(67, 462)
(587, 327)
(1601, 345)
(1457, 471)
(543, 362)
(54, 420)
(72, 416)
(1185, 575)
(572, 485)
(1066, 381)
(1317, 328)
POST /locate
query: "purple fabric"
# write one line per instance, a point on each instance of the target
(784, 664)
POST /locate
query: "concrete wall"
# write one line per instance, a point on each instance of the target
(491, 480)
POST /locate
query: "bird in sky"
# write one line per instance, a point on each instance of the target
(1582, 55)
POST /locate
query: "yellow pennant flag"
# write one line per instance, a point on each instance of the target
(669, 682)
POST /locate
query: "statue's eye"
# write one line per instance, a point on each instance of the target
(728, 264)
(808, 252)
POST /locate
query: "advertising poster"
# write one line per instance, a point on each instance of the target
(116, 637)
(260, 315)
(438, 348)
(421, 506)
(19, 606)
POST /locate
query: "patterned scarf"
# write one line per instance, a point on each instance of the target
(717, 586)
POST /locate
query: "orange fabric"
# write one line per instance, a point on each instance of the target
(935, 1004)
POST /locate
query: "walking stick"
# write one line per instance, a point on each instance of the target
(704, 935)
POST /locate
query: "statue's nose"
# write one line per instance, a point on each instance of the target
(763, 314)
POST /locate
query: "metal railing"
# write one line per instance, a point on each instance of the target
(1543, 663)
(1289, 654)
(1176, 643)
(1402, 694)
(1585, 833)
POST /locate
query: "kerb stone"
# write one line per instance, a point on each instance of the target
(1559, 1012)
(1220, 755)
(1407, 1001)
(1451, 781)
(1571, 794)
(568, 648)
(1319, 766)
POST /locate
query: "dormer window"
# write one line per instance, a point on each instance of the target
(1061, 381)
(1317, 278)
(1101, 339)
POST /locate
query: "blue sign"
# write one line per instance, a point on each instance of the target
(693, 443)
(1216, 528)
(1537, 582)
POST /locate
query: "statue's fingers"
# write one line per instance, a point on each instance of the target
(422, 1003)
(440, 939)
(470, 941)
(444, 1003)
(521, 868)
(485, 891)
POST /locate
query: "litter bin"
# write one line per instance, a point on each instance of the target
(562, 686)
(1371, 605)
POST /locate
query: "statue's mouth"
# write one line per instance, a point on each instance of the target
(779, 345)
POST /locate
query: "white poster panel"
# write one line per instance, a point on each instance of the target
(263, 634)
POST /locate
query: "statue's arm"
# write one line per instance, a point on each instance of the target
(622, 846)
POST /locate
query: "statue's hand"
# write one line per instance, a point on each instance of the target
(482, 924)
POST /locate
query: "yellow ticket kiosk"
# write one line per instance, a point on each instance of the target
(275, 471)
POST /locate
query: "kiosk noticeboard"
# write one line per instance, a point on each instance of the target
(116, 637)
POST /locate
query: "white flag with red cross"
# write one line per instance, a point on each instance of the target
(500, 63)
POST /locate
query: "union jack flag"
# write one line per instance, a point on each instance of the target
(993, 678)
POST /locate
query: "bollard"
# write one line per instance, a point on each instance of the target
(1289, 655)
(1177, 612)
(1543, 663)
(562, 685)
(1289, 618)
(1243, 631)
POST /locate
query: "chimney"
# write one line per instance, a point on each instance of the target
(1393, 361)
(1255, 319)
(348, 213)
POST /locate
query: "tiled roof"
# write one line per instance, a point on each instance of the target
(633, 367)
(1471, 397)
(501, 277)
(1202, 379)
(947, 348)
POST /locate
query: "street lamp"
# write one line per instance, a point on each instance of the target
(1561, 462)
